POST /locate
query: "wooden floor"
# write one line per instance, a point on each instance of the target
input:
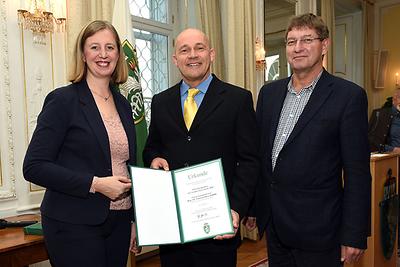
(248, 253)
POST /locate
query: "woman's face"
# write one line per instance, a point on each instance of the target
(100, 53)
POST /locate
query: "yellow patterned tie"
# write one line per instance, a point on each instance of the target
(190, 107)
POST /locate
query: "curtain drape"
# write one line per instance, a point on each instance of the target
(209, 12)
(328, 15)
(79, 13)
(238, 22)
(368, 21)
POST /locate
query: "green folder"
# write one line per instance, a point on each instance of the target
(34, 229)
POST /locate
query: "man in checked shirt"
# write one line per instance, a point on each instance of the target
(313, 126)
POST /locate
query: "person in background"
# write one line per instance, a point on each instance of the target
(222, 124)
(313, 126)
(79, 151)
(384, 127)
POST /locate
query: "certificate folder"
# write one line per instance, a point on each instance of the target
(180, 206)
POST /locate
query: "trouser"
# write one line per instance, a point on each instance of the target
(104, 245)
(280, 255)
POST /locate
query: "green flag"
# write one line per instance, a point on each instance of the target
(131, 89)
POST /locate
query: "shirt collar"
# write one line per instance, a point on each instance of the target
(203, 86)
(310, 87)
(395, 111)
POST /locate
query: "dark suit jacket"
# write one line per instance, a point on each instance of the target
(379, 128)
(224, 127)
(304, 195)
(69, 146)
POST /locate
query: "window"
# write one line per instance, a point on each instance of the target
(272, 71)
(153, 10)
(153, 30)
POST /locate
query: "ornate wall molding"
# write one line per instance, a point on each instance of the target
(9, 186)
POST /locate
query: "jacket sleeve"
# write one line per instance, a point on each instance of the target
(247, 148)
(40, 163)
(153, 145)
(357, 178)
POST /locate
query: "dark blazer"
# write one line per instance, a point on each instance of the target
(69, 146)
(304, 195)
(379, 128)
(224, 127)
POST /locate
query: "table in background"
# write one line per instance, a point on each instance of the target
(18, 249)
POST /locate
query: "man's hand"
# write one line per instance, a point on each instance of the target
(235, 222)
(351, 255)
(159, 163)
(396, 150)
(134, 248)
(250, 223)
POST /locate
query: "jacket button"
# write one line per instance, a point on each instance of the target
(186, 164)
(189, 138)
(109, 170)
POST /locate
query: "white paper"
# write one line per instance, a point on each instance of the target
(202, 211)
(155, 208)
(202, 199)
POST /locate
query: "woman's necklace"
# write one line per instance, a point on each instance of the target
(103, 97)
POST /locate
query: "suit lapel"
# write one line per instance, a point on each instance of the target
(321, 93)
(93, 118)
(211, 100)
(280, 95)
(175, 107)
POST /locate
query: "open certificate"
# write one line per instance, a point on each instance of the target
(180, 206)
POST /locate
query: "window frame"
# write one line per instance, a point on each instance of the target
(167, 29)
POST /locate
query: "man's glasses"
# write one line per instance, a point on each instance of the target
(306, 40)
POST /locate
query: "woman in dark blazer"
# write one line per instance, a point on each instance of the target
(83, 140)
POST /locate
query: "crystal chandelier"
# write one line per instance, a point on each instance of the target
(260, 55)
(40, 22)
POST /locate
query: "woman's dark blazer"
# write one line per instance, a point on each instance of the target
(69, 146)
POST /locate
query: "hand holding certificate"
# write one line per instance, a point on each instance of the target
(180, 206)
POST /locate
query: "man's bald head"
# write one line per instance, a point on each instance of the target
(191, 33)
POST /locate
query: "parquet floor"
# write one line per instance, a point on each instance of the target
(248, 253)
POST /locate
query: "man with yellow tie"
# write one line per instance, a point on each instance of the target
(200, 119)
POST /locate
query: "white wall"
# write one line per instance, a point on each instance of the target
(28, 72)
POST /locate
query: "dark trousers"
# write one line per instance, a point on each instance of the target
(187, 256)
(104, 245)
(280, 255)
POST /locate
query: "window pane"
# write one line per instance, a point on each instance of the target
(149, 9)
(152, 50)
(272, 71)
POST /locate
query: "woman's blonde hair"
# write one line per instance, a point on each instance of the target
(79, 67)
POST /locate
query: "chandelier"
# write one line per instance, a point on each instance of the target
(40, 22)
(260, 55)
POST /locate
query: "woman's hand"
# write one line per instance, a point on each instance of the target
(111, 186)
